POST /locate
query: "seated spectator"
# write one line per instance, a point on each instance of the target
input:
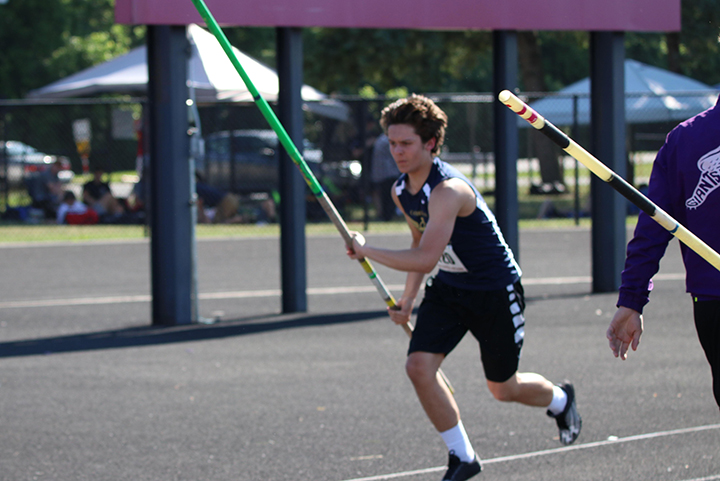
(46, 190)
(215, 205)
(268, 212)
(383, 173)
(135, 202)
(72, 211)
(97, 195)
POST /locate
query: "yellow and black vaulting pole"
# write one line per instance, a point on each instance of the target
(607, 175)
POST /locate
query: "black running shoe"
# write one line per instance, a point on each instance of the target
(569, 422)
(459, 471)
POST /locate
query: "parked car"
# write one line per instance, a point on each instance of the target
(255, 161)
(19, 161)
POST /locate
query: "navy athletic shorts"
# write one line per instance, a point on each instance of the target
(495, 318)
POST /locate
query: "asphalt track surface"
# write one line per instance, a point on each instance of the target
(89, 390)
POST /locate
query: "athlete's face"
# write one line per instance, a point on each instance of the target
(408, 149)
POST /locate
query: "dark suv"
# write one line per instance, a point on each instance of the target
(255, 161)
(254, 165)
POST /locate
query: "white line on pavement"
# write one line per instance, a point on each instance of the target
(502, 459)
(316, 291)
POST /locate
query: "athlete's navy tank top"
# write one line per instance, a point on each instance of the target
(477, 256)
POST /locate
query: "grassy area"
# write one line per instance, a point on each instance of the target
(128, 176)
(23, 233)
(529, 207)
(10, 234)
(15, 198)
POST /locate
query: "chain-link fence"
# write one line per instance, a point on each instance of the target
(79, 136)
(237, 172)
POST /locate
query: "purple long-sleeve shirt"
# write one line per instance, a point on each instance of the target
(684, 183)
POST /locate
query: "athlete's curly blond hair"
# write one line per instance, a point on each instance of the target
(418, 111)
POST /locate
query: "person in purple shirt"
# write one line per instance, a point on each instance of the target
(684, 183)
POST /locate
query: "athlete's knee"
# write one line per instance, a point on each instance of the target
(420, 367)
(504, 391)
(503, 395)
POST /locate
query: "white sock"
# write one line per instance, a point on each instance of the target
(559, 400)
(458, 442)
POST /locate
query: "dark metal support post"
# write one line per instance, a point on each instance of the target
(292, 185)
(505, 71)
(170, 205)
(607, 97)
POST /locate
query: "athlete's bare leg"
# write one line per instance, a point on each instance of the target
(525, 388)
(435, 397)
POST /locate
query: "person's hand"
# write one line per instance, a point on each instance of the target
(401, 313)
(625, 331)
(358, 241)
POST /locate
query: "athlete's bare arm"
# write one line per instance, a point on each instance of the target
(449, 199)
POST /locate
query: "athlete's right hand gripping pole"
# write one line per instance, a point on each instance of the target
(616, 182)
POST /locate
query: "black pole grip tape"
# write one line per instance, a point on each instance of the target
(556, 135)
(632, 194)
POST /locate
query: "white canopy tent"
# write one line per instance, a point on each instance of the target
(210, 74)
(651, 95)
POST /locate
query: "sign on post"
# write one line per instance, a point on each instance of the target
(82, 136)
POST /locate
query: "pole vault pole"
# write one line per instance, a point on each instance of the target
(607, 175)
(297, 158)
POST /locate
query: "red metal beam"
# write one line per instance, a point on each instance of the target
(583, 15)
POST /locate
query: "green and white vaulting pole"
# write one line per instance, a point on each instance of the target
(297, 158)
(607, 175)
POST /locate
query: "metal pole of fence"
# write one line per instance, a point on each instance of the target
(577, 164)
(6, 181)
(366, 162)
(471, 113)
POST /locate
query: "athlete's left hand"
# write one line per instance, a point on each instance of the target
(402, 315)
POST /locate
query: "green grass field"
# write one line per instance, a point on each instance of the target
(529, 207)
(49, 233)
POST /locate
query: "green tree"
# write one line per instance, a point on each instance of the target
(257, 42)
(694, 51)
(699, 50)
(43, 41)
(345, 61)
(533, 79)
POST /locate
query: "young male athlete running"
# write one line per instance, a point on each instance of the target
(477, 287)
